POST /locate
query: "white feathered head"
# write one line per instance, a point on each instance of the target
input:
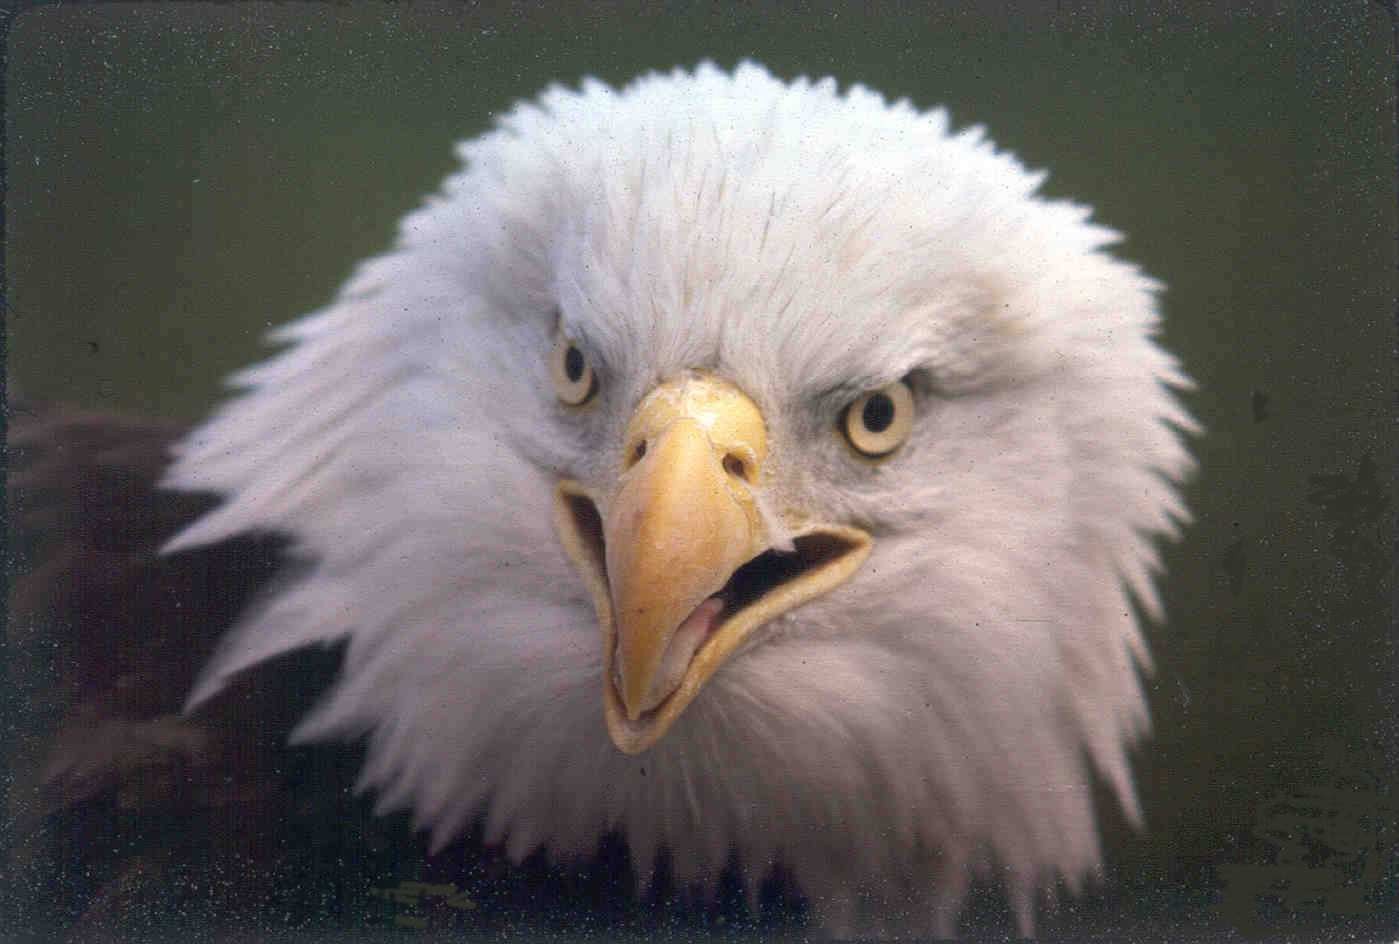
(745, 466)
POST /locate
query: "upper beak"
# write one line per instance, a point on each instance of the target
(679, 524)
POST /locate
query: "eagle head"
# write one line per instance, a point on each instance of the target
(749, 467)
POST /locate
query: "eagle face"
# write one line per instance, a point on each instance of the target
(750, 467)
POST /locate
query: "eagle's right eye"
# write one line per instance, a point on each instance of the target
(878, 422)
(574, 380)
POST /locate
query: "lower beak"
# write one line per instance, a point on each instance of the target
(664, 561)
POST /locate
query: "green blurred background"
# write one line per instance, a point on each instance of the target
(182, 178)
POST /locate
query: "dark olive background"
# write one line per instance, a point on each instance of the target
(181, 178)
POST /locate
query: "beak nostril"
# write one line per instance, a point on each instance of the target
(735, 466)
(637, 452)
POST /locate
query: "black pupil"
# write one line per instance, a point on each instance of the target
(878, 413)
(573, 364)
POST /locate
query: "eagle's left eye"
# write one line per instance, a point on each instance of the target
(574, 380)
(878, 422)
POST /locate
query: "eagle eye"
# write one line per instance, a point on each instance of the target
(574, 380)
(879, 421)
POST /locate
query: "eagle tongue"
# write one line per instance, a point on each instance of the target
(688, 637)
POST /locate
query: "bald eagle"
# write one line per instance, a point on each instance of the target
(751, 468)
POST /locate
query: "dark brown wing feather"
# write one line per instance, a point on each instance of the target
(105, 637)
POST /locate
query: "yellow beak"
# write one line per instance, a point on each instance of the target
(661, 563)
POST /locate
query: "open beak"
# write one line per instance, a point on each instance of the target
(677, 556)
